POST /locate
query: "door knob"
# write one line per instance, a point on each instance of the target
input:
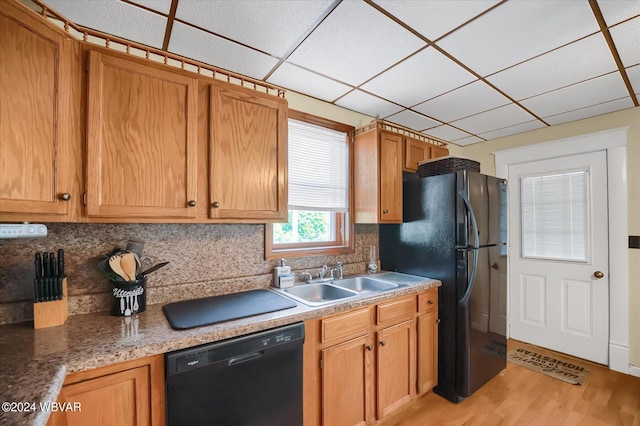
(598, 274)
(495, 266)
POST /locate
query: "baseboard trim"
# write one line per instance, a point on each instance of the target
(634, 371)
(619, 358)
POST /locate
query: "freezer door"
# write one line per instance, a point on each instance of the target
(488, 199)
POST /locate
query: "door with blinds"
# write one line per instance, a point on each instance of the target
(559, 245)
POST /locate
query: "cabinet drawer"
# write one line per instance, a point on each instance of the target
(345, 326)
(395, 311)
(428, 301)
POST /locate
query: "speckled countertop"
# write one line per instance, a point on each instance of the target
(35, 362)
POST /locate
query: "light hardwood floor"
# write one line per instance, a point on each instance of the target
(519, 396)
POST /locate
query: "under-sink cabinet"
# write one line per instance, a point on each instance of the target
(127, 394)
(362, 365)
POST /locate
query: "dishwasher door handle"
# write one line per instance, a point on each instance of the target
(244, 358)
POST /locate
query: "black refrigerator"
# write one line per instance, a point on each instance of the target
(454, 230)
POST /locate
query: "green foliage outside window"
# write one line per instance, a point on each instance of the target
(304, 226)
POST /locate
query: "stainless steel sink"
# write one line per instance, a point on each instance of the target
(318, 294)
(364, 284)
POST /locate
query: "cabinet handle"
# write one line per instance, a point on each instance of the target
(430, 302)
(215, 204)
(192, 203)
(385, 211)
(369, 347)
(65, 196)
(383, 343)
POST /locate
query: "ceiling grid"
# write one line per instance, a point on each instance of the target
(463, 71)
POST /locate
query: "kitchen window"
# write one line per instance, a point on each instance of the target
(319, 192)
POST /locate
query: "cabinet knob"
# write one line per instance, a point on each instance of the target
(369, 347)
(383, 343)
(192, 203)
(495, 266)
(385, 211)
(438, 321)
(65, 196)
(215, 204)
(430, 302)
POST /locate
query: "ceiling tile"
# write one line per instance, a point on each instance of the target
(446, 133)
(303, 81)
(272, 26)
(467, 141)
(368, 104)
(590, 111)
(463, 102)
(435, 18)
(354, 43)
(579, 61)
(163, 6)
(116, 18)
(513, 130)
(518, 30)
(591, 92)
(634, 76)
(192, 43)
(617, 11)
(625, 37)
(424, 75)
(497, 118)
(412, 120)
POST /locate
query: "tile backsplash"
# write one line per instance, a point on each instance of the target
(204, 260)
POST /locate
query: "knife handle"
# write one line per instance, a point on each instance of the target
(61, 263)
(46, 265)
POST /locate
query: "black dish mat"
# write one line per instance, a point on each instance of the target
(211, 310)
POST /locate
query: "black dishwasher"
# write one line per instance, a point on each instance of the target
(253, 380)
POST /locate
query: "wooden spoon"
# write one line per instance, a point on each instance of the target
(114, 263)
(129, 265)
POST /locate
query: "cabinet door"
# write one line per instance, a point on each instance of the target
(248, 175)
(427, 351)
(346, 382)
(390, 178)
(36, 171)
(396, 367)
(438, 151)
(415, 151)
(141, 140)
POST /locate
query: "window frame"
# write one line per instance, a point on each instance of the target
(345, 241)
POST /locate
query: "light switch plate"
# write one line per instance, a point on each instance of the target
(23, 230)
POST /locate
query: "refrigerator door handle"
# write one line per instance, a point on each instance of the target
(472, 216)
(476, 240)
(472, 278)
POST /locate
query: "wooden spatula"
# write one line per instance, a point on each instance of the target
(129, 264)
(114, 264)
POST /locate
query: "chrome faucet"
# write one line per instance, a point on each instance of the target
(340, 270)
(323, 271)
(308, 276)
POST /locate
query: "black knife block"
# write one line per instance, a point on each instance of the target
(55, 312)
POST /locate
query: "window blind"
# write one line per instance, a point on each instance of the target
(555, 216)
(318, 168)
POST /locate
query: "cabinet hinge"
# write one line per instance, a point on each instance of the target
(84, 199)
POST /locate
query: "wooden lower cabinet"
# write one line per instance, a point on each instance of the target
(427, 336)
(395, 367)
(346, 382)
(364, 364)
(126, 394)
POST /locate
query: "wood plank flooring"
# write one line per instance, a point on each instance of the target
(519, 396)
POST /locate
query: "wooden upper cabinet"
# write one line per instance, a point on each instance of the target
(416, 151)
(37, 165)
(248, 156)
(141, 140)
(378, 177)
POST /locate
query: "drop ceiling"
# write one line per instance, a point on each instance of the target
(463, 71)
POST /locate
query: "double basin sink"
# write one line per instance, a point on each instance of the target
(317, 294)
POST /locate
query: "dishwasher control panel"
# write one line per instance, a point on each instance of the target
(233, 351)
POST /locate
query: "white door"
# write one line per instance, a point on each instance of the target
(559, 246)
